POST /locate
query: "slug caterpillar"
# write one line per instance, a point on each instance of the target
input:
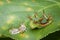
(38, 22)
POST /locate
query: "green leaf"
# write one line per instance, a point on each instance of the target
(15, 12)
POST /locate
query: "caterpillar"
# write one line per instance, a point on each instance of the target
(21, 29)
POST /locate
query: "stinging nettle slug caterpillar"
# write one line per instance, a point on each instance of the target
(48, 20)
(38, 22)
